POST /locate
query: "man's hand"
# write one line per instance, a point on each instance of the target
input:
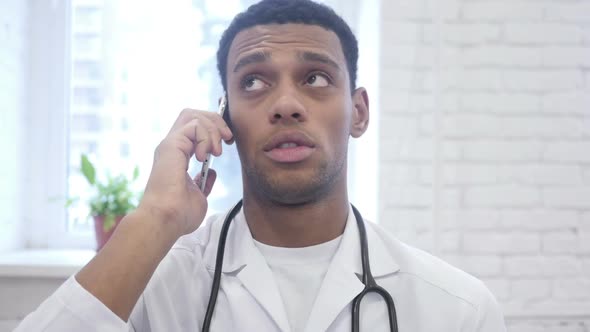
(171, 196)
(172, 205)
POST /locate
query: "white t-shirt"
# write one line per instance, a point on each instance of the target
(299, 273)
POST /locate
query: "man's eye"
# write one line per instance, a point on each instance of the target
(317, 80)
(252, 84)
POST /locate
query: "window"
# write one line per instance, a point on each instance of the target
(130, 68)
(134, 66)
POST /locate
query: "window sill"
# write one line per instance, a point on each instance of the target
(44, 263)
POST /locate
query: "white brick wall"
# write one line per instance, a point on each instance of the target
(13, 73)
(515, 149)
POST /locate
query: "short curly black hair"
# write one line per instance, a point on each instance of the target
(284, 12)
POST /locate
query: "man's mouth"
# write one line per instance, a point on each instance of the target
(289, 147)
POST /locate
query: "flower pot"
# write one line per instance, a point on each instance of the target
(101, 236)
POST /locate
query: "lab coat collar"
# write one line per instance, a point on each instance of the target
(240, 245)
(349, 252)
(244, 261)
(341, 284)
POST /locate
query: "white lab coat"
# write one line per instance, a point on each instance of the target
(429, 294)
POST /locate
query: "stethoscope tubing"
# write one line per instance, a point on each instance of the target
(367, 278)
(218, 266)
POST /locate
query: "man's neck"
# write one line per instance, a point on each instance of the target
(296, 226)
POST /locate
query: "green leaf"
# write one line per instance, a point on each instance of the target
(114, 196)
(88, 169)
(71, 201)
(135, 173)
(109, 222)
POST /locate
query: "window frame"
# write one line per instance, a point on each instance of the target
(48, 136)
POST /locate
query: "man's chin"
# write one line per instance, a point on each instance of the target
(292, 195)
(292, 188)
(292, 191)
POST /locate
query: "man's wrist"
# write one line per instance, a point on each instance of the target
(167, 230)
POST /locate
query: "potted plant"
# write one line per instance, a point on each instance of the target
(112, 200)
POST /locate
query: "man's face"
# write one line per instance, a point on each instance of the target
(292, 111)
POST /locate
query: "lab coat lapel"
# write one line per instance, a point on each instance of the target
(342, 282)
(339, 288)
(245, 261)
(258, 280)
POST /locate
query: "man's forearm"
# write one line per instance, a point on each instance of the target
(121, 270)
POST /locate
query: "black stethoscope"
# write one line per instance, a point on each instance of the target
(368, 280)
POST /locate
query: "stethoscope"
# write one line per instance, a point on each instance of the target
(368, 280)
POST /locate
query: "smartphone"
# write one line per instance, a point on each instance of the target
(208, 160)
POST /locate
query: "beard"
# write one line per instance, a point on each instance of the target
(296, 189)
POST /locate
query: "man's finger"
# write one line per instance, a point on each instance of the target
(211, 177)
(226, 133)
(205, 137)
(185, 116)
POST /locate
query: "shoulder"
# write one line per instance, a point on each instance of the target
(434, 273)
(432, 280)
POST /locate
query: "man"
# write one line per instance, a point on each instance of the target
(292, 255)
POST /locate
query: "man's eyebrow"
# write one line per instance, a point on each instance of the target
(318, 57)
(251, 58)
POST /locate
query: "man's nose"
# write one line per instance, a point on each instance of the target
(287, 108)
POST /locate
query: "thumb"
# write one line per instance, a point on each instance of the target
(211, 176)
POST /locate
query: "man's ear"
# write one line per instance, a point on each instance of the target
(360, 115)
